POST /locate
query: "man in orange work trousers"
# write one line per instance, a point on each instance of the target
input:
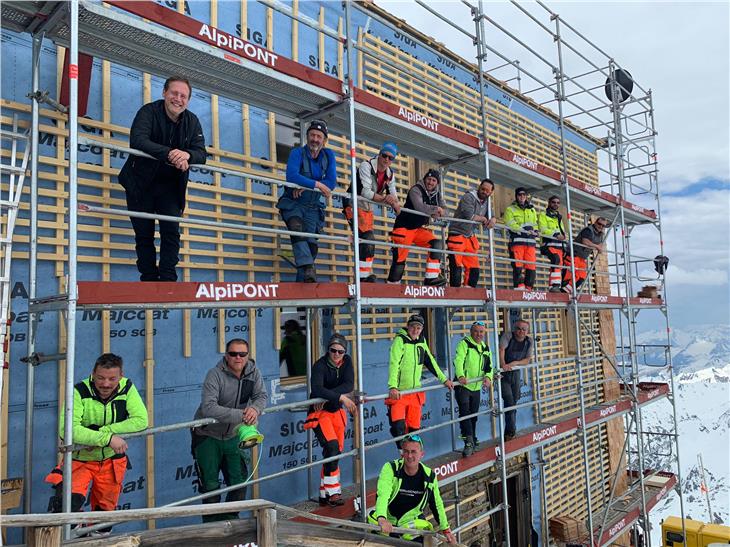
(106, 405)
(375, 181)
(409, 353)
(333, 379)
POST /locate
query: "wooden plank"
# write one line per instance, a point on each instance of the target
(48, 536)
(266, 528)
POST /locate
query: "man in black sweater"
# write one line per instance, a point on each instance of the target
(333, 379)
(169, 132)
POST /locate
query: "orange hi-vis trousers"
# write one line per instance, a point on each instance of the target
(329, 428)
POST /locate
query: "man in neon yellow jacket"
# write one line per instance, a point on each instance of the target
(409, 353)
(472, 360)
(521, 219)
(405, 488)
(106, 406)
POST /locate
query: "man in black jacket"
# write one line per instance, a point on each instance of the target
(166, 130)
(333, 379)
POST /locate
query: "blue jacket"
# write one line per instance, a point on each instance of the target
(296, 171)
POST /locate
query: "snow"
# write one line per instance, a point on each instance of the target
(701, 358)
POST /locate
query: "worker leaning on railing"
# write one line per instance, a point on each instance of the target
(234, 394)
(106, 406)
(521, 219)
(473, 206)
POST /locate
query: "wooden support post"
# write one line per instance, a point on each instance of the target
(46, 536)
(266, 527)
(430, 541)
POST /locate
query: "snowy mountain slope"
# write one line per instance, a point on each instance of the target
(702, 395)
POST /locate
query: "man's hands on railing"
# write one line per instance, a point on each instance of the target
(117, 444)
(349, 404)
(449, 384)
(179, 158)
(393, 393)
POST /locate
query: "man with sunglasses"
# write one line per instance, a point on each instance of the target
(550, 224)
(313, 167)
(521, 219)
(590, 239)
(333, 379)
(375, 181)
(409, 353)
(410, 229)
(473, 205)
(472, 360)
(234, 394)
(515, 350)
(405, 487)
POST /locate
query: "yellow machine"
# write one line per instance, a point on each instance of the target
(699, 534)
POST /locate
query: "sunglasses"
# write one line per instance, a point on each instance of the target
(237, 354)
(478, 324)
(337, 351)
(413, 438)
(387, 157)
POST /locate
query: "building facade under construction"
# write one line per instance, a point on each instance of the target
(529, 101)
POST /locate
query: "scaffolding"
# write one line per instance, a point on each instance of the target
(142, 36)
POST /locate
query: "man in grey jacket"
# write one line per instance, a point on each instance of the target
(473, 205)
(234, 394)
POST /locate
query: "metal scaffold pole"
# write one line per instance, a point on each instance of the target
(72, 288)
(32, 280)
(357, 299)
(670, 367)
(480, 40)
(625, 233)
(560, 95)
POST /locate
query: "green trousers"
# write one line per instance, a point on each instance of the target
(214, 457)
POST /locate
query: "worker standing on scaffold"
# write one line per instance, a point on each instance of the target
(409, 229)
(473, 205)
(375, 181)
(472, 360)
(311, 166)
(167, 130)
(409, 353)
(106, 406)
(521, 219)
(333, 378)
(551, 228)
(405, 488)
(589, 239)
(235, 395)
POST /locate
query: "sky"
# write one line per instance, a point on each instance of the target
(681, 52)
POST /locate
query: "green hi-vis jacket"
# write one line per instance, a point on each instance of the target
(472, 360)
(95, 421)
(389, 483)
(407, 359)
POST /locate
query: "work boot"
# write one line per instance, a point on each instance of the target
(335, 500)
(468, 447)
(555, 288)
(476, 442)
(369, 279)
(439, 281)
(309, 274)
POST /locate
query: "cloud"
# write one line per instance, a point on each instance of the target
(705, 277)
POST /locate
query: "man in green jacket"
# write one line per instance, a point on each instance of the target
(405, 487)
(521, 219)
(409, 353)
(472, 360)
(106, 406)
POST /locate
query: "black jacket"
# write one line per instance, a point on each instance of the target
(329, 382)
(147, 134)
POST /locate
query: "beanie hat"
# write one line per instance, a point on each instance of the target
(519, 190)
(319, 125)
(390, 148)
(337, 339)
(415, 318)
(432, 173)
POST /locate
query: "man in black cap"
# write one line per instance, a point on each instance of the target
(409, 353)
(521, 219)
(409, 229)
(313, 167)
(333, 379)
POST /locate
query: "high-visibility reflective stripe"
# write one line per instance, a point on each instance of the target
(432, 269)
